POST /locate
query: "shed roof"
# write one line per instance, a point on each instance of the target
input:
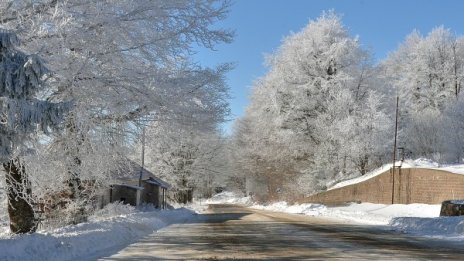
(158, 182)
(129, 186)
(129, 171)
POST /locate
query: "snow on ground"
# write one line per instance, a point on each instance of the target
(362, 178)
(198, 206)
(364, 213)
(118, 225)
(228, 197)
(110, 229)
(419, 219)
(201, 205)
(418, 163)
(448, 228)
(3, 212)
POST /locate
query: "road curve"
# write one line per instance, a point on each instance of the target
(231, 232)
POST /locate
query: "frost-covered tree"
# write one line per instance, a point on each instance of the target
(452, 131)
(24, 114)
(189, 158)
(264, 152)
(437, 135)
(121, 63)
(427, 73)
(122, 60)
(315, 116)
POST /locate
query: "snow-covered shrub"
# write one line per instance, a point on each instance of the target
(113, 210)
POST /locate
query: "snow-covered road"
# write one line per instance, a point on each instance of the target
(228, 232)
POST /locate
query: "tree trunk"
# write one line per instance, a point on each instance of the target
(363, 164)
(18, 191)
(75, 162)
(74, 182)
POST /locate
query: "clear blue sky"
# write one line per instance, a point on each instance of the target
(260, 26)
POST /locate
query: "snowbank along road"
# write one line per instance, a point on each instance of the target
(229, 232)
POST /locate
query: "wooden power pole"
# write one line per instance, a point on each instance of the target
(143, 157)
(394, 150)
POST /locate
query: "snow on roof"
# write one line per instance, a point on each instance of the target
(418, 163)
(152, 182)
(129, 186)
(158, 182)
(129, 170)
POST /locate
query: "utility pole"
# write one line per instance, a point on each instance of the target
(394, 151)
(143, 157)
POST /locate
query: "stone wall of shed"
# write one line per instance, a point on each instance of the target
(412, 185)
(151, 194)
(125, 194)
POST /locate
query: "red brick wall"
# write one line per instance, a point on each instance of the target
(411, 186)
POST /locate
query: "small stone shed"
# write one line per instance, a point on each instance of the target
(126, 194)
(154, 192)
(125, 187)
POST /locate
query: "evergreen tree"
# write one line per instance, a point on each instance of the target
(22, 116)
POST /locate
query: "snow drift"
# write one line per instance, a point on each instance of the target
(107, 231)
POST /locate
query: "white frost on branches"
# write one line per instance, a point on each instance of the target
(116, 65)
(315, 116)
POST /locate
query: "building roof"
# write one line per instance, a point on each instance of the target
(129, 170)
(129, 186)
(158, 182)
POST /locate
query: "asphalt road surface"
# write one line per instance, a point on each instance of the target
(231, 232)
